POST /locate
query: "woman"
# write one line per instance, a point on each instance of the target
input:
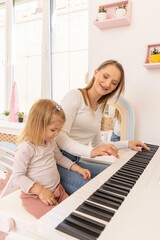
(83, 109)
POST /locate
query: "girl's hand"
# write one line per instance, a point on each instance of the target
(86, 174)
(47, 197)
(136, 145)
(104, 150)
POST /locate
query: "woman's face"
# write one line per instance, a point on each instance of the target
(106, 79)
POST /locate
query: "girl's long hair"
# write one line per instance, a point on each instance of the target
(38, 118)
(119, 89)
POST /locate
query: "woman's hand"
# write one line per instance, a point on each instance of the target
(104, 150)
(137, 145)
(84, 172)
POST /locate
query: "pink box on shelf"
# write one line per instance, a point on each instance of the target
(147, 63)
(112, 20)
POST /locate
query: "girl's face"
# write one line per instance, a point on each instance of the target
(53, 128)
(106, 79)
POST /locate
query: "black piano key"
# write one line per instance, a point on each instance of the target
(88, 221)
(140, 160)
(152, 146)
(129, 186)
(131, 173)
(143, 153)
(131, 176)
(105, 202)
(138, 164)
(96, 211)
(85, 223)
(142, 156)
(133, 167)
(84, 226)
(106, 199)
(75, 231)
(135, 163)
(87, 228)
(114, 189)
(121, 198)
(127, 166)
(117, 185)
(133, 170)
(124, 177)
(123, 180)
(151, 150)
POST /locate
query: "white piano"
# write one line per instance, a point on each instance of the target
(123, 202)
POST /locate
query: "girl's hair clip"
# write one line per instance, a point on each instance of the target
(58, 107)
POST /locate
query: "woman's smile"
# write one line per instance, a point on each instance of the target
(103, 87)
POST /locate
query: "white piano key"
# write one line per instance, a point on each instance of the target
(91, 217)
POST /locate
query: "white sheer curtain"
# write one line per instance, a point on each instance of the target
(70, 46)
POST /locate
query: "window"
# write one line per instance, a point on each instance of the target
(44, 61)
(70, 46)
(27, 51)
(2, 56)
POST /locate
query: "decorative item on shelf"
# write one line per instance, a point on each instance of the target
(6, 114)
(155, 56)
(20, 116)
(102, 14)
(121, 10)
(152, 53)
(14, 104)
(111, 20)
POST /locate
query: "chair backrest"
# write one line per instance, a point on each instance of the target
(6, 159)
(6, 167)
(9, 188)
(127, 117)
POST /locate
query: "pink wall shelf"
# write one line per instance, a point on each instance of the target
(147, 63)
(112, 20)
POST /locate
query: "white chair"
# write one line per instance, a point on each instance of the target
(13, 217)
(127, 117)
(6, 167)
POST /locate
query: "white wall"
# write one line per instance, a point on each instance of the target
(128, 45)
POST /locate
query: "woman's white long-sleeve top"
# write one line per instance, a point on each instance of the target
(81, 131)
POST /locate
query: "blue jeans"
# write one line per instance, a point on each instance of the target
(114, 137)
(72, 181)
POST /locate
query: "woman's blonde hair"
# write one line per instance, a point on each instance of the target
(38, 118)
(120, 87)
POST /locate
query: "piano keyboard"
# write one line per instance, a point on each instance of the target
(86, 213)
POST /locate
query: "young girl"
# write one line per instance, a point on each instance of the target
(35, 169)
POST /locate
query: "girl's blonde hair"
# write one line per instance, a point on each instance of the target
(120, 87)
(38, 118)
